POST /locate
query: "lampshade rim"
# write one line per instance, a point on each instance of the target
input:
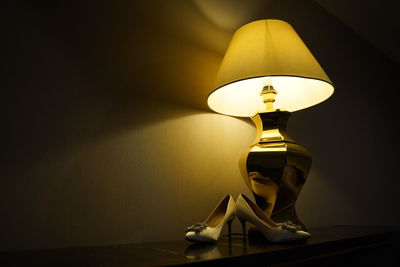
(295, 76)
(246, 116)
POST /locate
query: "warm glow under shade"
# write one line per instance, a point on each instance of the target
(268, 52)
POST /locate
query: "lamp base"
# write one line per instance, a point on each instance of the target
(276, 167)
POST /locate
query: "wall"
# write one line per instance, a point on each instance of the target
(107, 137)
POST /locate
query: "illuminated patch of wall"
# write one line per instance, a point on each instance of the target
(125, 185)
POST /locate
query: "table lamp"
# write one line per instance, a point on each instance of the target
(267, 73)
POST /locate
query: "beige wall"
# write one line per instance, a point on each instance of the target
(141, 184)
(108, 138)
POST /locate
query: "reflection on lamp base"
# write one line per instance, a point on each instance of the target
(276, 167)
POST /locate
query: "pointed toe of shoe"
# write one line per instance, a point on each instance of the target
(298, 235)
(303, 234)
(198, 237)
(190, 236)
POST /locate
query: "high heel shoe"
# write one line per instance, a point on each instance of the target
(210, 229)
(246, 210)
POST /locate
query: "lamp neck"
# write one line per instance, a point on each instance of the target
(271, 127)
(268, 94)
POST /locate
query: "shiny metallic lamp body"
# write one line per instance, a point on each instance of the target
(277, 167)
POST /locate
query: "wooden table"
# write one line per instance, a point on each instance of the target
(332, 246)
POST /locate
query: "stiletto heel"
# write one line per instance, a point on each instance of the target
(246, 210)
(210, 229)
(230, 228)
(244, 230)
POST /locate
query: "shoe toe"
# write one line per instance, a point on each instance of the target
(303, 234)
(190, 236)
(198, 237)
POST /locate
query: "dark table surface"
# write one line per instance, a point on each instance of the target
(324, 241)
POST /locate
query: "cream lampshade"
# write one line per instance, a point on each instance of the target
(263, 53)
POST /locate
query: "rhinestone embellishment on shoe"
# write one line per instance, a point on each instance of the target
(197, 227)
(289, 226)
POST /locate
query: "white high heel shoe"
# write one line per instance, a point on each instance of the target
(246, 210)
(210, 229)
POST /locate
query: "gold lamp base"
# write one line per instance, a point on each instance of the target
(276, 167)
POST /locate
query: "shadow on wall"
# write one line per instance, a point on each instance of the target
(350, 135)
(81, 71)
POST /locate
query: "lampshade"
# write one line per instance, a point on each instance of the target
(268, 52)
